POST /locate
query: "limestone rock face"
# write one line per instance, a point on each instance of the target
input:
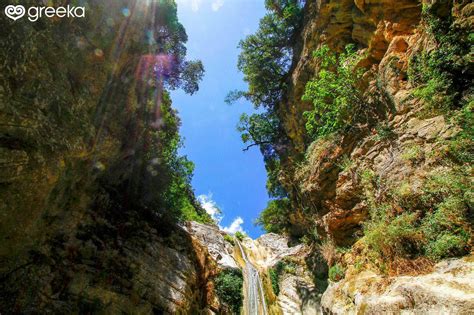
(298, 295)
(385, 29)
(400, 148)
(449, 289)
(388, 33)
(271, 248)
(213, 239)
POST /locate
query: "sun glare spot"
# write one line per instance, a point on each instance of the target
(126, 12)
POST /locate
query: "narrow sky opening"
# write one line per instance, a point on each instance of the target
(228, 177)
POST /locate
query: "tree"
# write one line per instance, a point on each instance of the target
(266, 55)
(265, 61)
(336, 98)
(229, 285)
(274, 218)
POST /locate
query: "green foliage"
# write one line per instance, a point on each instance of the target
(384, 132)
(461, 147)
(334, 93)
(447, 245)
(265, 61)
(274, 187)
(311, 237)
(412, 153)
(240, 235)
(229, 239)
(274, 218)
(263, 130)
(346, 163)
(266, 55)
(161, 178)
(260, 129)
(442, 74)
(391, 237)
(229, 285)
(285, 266)
(447, 229)
(336, 272)
(280, 268)
(440, 229)
(274, 278)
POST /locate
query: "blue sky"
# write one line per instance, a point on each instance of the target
(225, 175)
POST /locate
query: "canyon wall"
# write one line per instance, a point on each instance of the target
(86, 223)
(372, 195)
(389, 36)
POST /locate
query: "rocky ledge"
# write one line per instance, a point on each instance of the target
(449, 289)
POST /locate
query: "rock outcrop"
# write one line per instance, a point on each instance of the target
(298, 293)
(270, 248)
(388, 33)
(449, 289)
(397, 149)
(213, 240)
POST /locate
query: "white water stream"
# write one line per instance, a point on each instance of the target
(255, 303)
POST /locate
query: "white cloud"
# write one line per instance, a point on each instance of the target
(195, 4)
(210, 206)
(213, 210)
(235, 226)
(217, 4)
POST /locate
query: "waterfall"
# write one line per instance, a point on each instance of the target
(254, 298)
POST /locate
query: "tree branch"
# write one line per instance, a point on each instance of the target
(255, 144)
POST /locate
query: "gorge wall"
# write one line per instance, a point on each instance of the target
(391, 193)
(92, 188)
(390, 35)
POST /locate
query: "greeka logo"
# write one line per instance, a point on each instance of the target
(16, 12)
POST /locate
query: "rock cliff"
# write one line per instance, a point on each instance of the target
(374, 193)
(389, 34)
(447, 290)
(86, 223)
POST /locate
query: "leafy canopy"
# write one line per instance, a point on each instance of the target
(274, 218)
(266, 55)
(265, 61)
(333, 92)
(229, 285)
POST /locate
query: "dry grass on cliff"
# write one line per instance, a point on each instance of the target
(317, 154)
(404, 266)
(329, 252)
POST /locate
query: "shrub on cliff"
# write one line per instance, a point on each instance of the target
(229, 285)
(240, 235)
(283, 266)
(336, 272)
(229, 239)
(334, 93)
(274, 218)
(434, 223)
(443, 75)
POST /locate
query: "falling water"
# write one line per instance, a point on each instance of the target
(255, 299)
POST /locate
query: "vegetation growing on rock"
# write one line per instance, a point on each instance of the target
(338, 101)
(374, 149)
(91, 170)
(229, 284)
